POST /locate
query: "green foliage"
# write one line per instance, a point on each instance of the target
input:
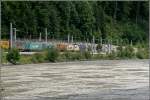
(126, 52)
(87, 55)
(98, 56)
(37, 58)
(119, 48)
(26, 59)
(129, 52)
(112, 55)
(52, 54)
(120, 51)
(87, 19)
(68, 55)
(142, 53)
(133, 32)
(127, 20)
(3, 55)
(13, 56)
(77, 55)
(71, 56)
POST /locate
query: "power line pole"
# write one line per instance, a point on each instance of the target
(101, 41)
(1, 87)
(68, 38)
(93, 47)
(131, 43)
(15, 34)
(72, 39)
(46, 35)
(40, 37)
(11, 36)
(0, 41)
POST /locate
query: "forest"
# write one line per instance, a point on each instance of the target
(126, 20)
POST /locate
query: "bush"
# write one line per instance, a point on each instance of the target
(37, 58)
(142, 53)
(76, 56)
(112, 55)
(13, 56)
(119, 48)
(87, 55)
(120, 52)
(68, 55)
(72, 56)
(98, 56)
(127, 52)
(26, 59)
(3, 56)
(52, 54)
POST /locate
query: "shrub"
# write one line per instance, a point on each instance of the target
(142, 53)
(76, 56)
(98, 56)
(26, 59)
(67, 55)
(13, 56)
(52, 54)
(120, 52)
(129, 52)
(119, 48)
(3, 55)
(87, 55)
(37, 58)
(139, 55)
(112, 55)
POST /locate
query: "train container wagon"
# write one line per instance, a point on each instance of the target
(62, 46)
(76, 47)
(47, 45)
(82, 47)
(70, 47)
(33, 46)
(4, 44)
(20, 45)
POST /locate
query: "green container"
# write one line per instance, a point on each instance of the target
(36, 46)
(49, 46)
(33, 46)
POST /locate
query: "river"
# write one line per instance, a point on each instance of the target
(85, 80)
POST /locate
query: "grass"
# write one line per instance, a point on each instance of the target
(26, 59)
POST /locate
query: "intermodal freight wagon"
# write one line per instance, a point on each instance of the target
(4, 44)
(32, 46)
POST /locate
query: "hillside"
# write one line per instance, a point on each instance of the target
(108, 19)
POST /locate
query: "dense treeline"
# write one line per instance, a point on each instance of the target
(108, 19)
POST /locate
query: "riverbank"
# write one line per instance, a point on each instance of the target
(53, 55)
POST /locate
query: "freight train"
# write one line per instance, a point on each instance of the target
(38, 46)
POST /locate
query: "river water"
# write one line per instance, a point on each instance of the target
(86, 80)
